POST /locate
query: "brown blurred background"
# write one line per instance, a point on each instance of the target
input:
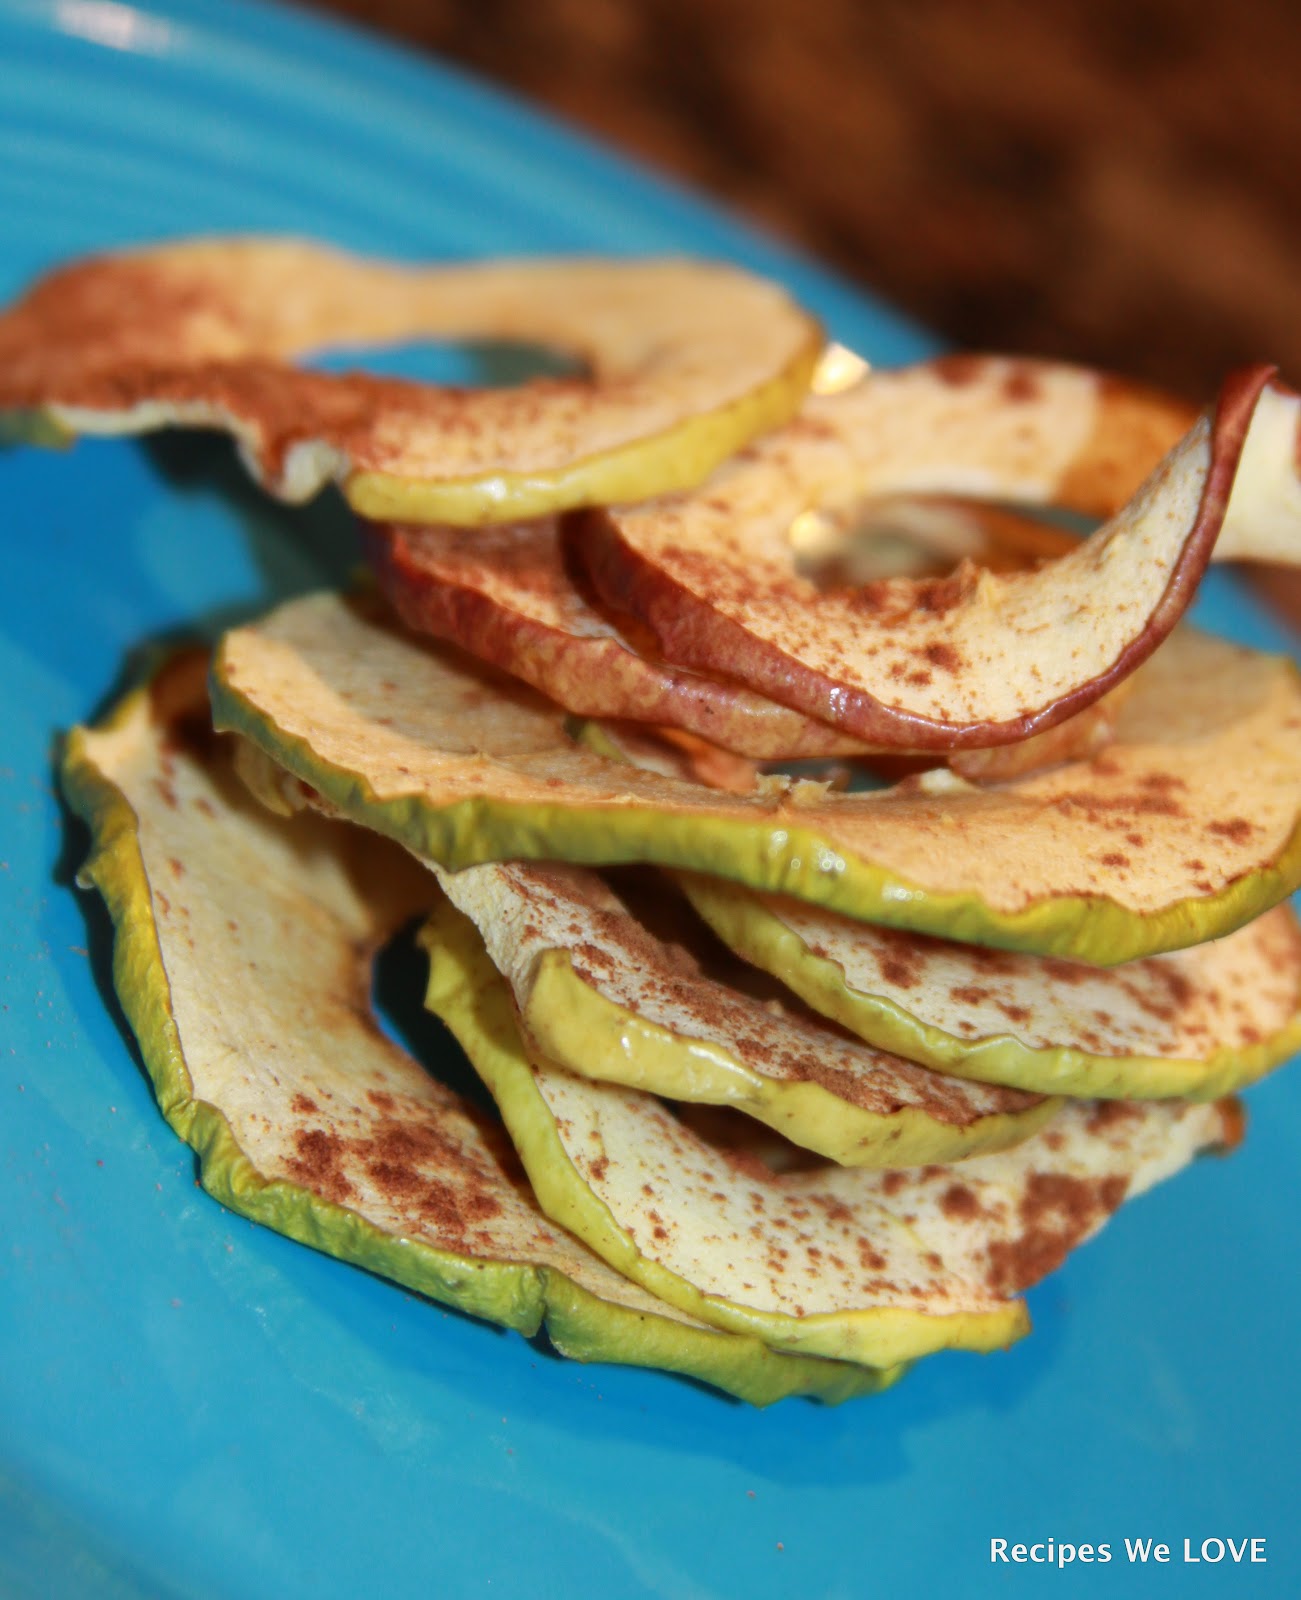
(1116, 181)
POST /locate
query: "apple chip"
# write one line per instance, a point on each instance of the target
(507, 595)
(597, 992)
(878, 1267)
(504, 595)
(1184, 828)
(242, 959)
(686, 362)
(1199, 1022)
(969, 660)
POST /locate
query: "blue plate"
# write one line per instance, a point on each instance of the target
(191, 1406)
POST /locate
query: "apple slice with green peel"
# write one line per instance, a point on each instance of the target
(242, 960)
(504, 595)
(971, 660)
(877, 1267)
(1198, 1023)
(598, 993)
(1183, 829)
(686, 361)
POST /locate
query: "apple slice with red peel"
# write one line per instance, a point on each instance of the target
(504, 595)
(686, 361)
(1200, 1022)
(877, 1267)
(972, 660)
(600, 994)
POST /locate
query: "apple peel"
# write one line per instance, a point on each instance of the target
(687, 361)
(599, 994)
(972, 660)
(876, 1267)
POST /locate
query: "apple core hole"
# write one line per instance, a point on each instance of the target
(398, 975)
(879, 540)
(731, 1132)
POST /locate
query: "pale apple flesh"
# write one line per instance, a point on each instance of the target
(1184, 828)
(597, 992)
(686, 361)
(878, 1267)
(977, 658)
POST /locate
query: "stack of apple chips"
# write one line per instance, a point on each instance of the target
(825, 1075)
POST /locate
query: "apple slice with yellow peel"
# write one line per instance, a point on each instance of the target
(242, 959)
(1200, 1022)
(686, 361)
(971, 660)
(504, 595)
(1184, 828)
(598, 993)
(877, 1267)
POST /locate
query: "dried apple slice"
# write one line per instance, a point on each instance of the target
(975, 659)
(242, 959)
(878, 1267)
(1199, 1023)
(507, 595)
(687, 361)
(1184, 828)
(504, 595)
(598, 993)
